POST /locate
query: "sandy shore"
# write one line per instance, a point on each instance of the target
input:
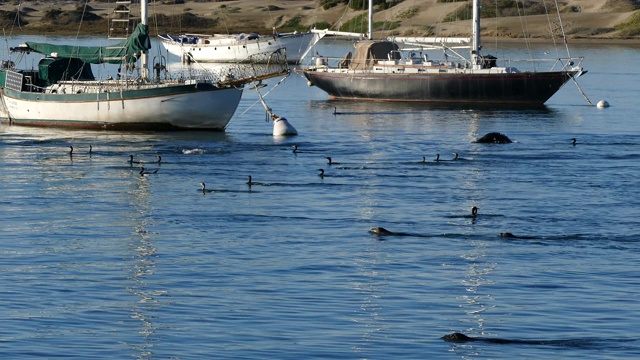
(595, 21)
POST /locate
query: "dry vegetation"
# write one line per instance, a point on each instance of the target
(593, 19)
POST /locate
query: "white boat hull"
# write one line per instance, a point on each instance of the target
(150, 107)
(228, 50)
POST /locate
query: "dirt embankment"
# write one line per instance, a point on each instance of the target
(581, 19)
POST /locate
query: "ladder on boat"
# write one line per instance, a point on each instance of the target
(121, 23)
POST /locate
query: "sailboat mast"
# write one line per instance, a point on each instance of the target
(475, 32)
(370, 27)
(144, 19)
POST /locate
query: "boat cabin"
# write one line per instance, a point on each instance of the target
(50, 71)
(369, 52)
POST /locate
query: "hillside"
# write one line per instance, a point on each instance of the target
(590, 19)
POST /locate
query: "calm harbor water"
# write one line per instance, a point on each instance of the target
(99, 262)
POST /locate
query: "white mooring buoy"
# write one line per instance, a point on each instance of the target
(282, 127)
(602, 104)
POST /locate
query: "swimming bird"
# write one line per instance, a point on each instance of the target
(251, 182)
(204, 188)
(330, 161)
(159, 159)
(144, 172)
(321, 173)
(474, 212)
(71, 150)
(90, 149)
(437, 158)
(574, 141)
(455, 156)
(131, 161)
(295, 149)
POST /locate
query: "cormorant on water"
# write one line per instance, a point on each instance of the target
(250, 182)
(204, 188)
(330, 161)
(144, 172)
(131, 161)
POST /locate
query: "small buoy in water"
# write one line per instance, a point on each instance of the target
(602, 104)
(281, 126)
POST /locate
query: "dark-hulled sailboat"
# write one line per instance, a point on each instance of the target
(378, 72)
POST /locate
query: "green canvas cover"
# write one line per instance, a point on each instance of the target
(50, 71)
(114, 54)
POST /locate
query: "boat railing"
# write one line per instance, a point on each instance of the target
(261, 66)
(523, 64)
(534, 65)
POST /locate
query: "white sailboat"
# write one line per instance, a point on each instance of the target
(63, 92)
(223, 48)
(377, 71)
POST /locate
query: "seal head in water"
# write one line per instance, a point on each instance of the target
(457, 337)
(494, 138)
(380, 231)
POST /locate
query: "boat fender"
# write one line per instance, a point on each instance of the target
(310, 83)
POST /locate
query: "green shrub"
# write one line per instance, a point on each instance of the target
(408, 13)
(630, 27)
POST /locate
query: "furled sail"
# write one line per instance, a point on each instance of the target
(125, 52)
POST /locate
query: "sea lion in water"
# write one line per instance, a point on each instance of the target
(509, 235)
(461, 338)
(494, 138)
(380, 231)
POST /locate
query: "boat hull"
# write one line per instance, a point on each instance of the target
(241, 51)
(532, 88)
(188, 106)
